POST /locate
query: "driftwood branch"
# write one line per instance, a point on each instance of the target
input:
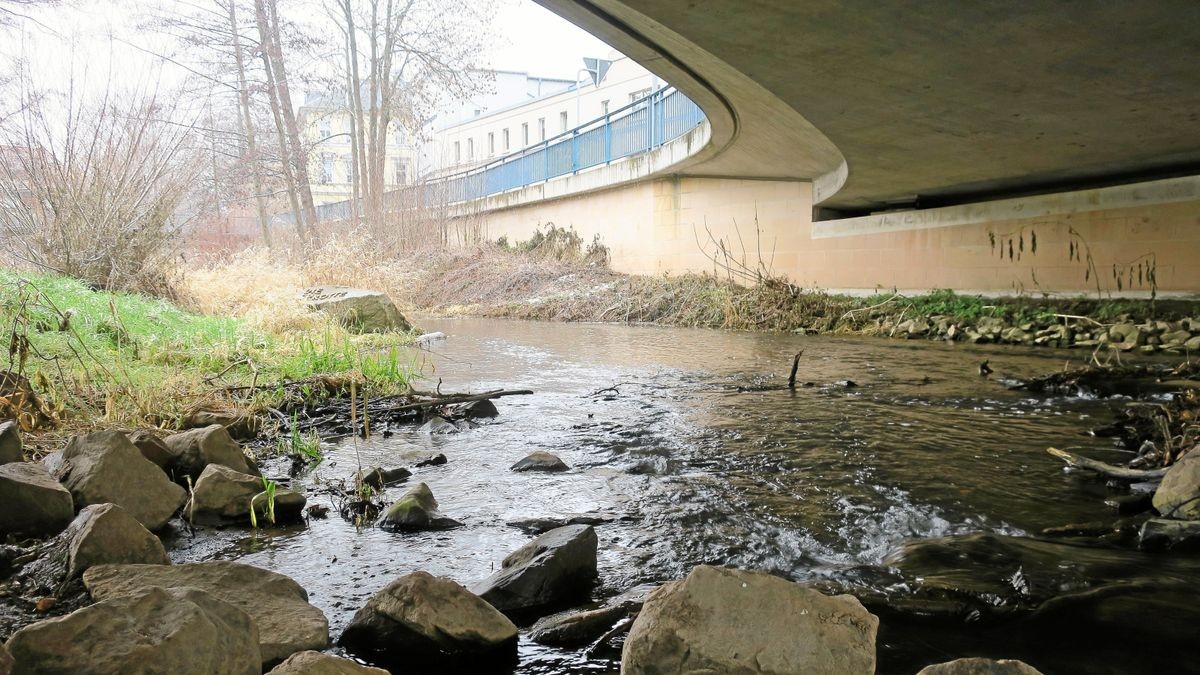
(1105, 469)
(462, 398)
(795, 366)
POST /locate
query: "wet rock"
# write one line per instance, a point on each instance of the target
(1178, 496)
(359, 309)
(101, 534)
(438, 425)
(6, 662)
(152, 447)
(10, 443)
(1193, 344)
(479, 409)
(543, 525)
(286, 622)
(731, 621)
(556, 568)
(104, 467)
(540, 461)
(415, 510)
(425, 620)
(428, 338)
(431, 460)
(1162, 534)
(380, 477)
(222, 495)
(193, 450)
(34, 504)
(317, 663)
(980, 666)
(153, 630)
(238, 424)
(577, 628)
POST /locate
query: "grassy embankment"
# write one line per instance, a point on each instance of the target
(114, 359)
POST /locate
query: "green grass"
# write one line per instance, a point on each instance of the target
(125, 357)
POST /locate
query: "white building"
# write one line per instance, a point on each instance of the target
(471, 139)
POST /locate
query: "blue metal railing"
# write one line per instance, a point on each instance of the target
(639, 127)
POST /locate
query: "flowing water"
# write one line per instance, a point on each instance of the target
(817, 484)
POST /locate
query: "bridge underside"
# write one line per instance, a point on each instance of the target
(885, 104)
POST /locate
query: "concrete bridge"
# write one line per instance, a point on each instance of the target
(860, 144)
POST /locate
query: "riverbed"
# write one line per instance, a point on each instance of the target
(684, 439)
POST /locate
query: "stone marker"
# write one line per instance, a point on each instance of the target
(359, 309)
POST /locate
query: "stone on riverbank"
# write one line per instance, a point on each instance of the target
(104, 467)
(555, 568)
(540, 461)
(279, 606)
(223, 495)
(194, 450)
(238, 424)
(575, 628)
(380, 477)
(101, 534)
(317, 663)
(1164, 534)
(731, 621)
(432, 621)
(11, 449)
(359, 309)
(1178, 496)
(35, 504)
(415, 510)
(153, 630)
(980, 666)
(152, 447)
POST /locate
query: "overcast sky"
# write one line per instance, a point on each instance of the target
(538, 41)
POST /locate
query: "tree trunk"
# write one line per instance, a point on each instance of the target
(285, 161)
(260, 202)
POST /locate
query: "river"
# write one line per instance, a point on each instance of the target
(893, 441)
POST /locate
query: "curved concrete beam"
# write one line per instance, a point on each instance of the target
(916, 103)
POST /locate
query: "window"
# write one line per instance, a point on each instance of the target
(639, 94)
(604, 107)
(457, 152)
(325, 170)
(491, 143)
(562, 120)
(525, 134)
(399, 172)
(470, 148)
(506, 145)
(541, 128)
(396, 136)
(325, 128)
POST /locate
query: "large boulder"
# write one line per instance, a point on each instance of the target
(1178, 496)
(980, 666)
(104, 467)
(153, 630)
(6, 662)
(556, 568)
(317, 663)
(540, 461)
(286, 622)
(359, 309)
(415, 510)
(101, 534)
(10, 443)
(196, 449)
(222, 495)
(738, 623)
(427, 620)
(152, 447)
(34, 504)
(1166, 534)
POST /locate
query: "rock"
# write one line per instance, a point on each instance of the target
(279, 606)
(181, 631)
(238, 424)
(317, 663)
(101, 534)
(1163, 534)
(438, 425)
(415, 510)
(104, 467)
(980, 666)
(1193, 344)
(6, 662)
(10, 443)
(380, 477)
(430, 621)
(152, 447)
(578, 628)
(193, 450)
(540, 461)
(431, 460)
(34, 504)
(1176, 337)
(731, 621)
(223, 495)
(543, 525)
(1178, 496)
(427, 338)
(555, 568)
(360, 309)
(479, 409)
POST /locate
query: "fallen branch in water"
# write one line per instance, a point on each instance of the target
(462, 398)
(795, 366)
(1105, 469)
